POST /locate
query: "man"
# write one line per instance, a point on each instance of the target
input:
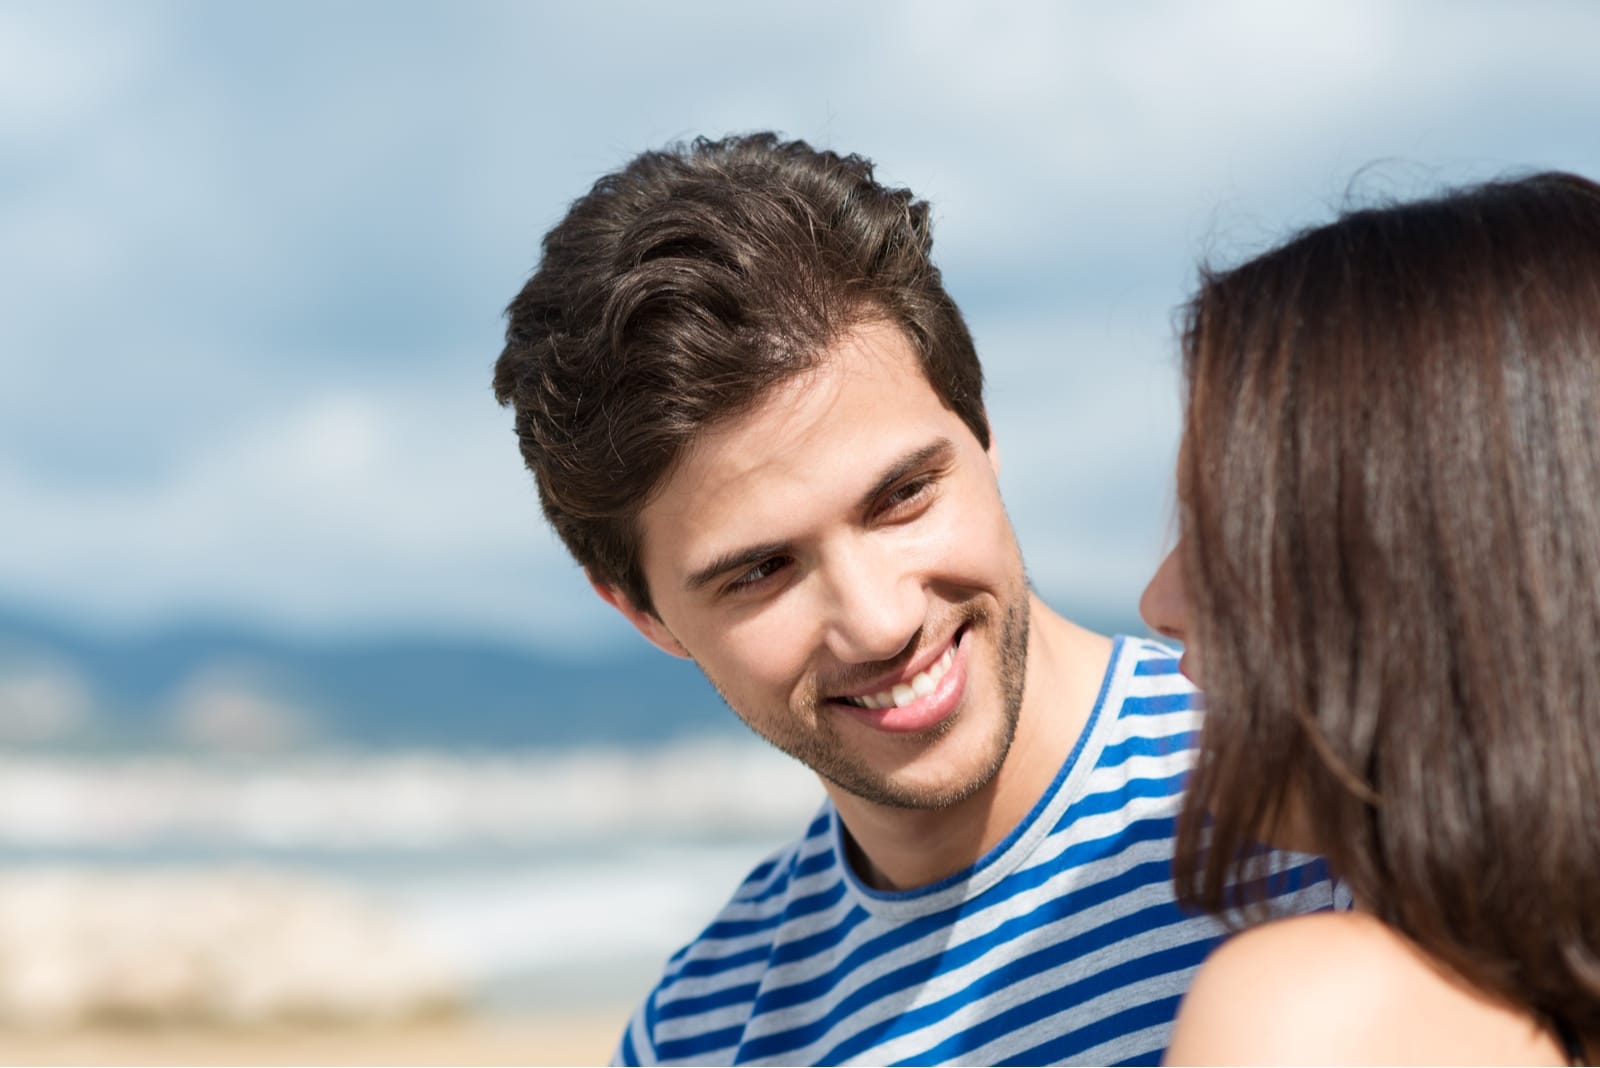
(756, 419)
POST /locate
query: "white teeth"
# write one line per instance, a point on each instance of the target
(902, 694)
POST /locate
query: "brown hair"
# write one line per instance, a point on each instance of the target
(678, 292)
(1389, 496)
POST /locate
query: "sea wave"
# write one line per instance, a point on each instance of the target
(341, 801)
(518, 882)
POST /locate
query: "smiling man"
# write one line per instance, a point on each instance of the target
(756, 419)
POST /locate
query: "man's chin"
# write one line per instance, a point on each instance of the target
(915, 788)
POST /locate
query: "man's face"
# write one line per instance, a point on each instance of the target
(840, 566)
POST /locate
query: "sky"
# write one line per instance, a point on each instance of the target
(256, 256)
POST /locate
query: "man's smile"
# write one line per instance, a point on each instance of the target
(920, 698)
(903, 693)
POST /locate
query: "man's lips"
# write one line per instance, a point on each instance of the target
(916, 700)
(912, 685)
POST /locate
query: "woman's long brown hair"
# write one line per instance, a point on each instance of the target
(1389, 496)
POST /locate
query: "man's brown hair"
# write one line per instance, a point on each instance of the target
(1389, 496)
(678, 292)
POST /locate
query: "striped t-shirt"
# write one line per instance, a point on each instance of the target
(1063, 944)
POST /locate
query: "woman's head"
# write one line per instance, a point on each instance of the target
(1389, 501)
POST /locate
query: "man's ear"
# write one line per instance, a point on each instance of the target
(645, 623)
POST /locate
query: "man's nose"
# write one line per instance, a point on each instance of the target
(1165, 603)
(877, 604)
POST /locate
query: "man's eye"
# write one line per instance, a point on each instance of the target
(906, 492)
(757, 575)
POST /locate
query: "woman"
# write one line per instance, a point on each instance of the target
(1388, 583)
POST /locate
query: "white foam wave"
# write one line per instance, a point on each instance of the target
(715, 788)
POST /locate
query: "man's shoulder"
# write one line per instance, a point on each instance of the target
(1154, 661)
(798, 890)
(1146, 706)
(796, 884)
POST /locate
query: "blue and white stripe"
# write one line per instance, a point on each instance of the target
(1063, 945)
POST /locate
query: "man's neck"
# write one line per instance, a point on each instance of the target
(901, 849)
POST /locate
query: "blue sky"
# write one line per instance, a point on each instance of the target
(256, 255)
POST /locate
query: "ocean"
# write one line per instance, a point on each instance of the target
(182, 888)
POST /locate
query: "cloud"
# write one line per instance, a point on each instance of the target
(57, 64)
(399, 507)
(258, 255)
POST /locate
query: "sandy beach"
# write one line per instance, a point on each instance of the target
(573, 1039)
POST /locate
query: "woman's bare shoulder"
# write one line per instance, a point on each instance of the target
(1341, 988)
(1285, 992)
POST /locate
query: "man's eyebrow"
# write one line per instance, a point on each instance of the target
(941, 449)
(743, 559)
(738, 559)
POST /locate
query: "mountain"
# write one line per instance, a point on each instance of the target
(198, 683)
(219, 687)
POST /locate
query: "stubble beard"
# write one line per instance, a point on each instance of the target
(825, 752)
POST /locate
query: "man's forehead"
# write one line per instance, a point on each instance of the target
(793, 408)
(741, 484)
(815, 444)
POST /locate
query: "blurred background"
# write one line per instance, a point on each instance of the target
(313, 743)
